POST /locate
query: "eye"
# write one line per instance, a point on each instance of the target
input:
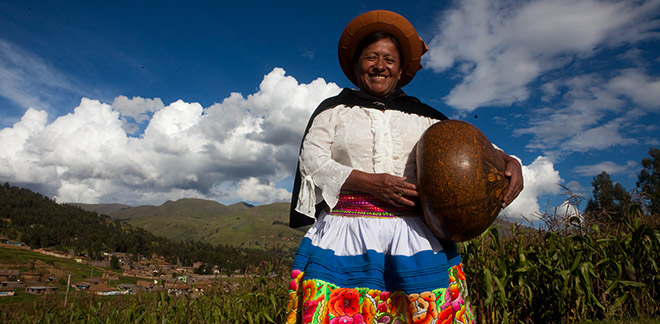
(370, 57)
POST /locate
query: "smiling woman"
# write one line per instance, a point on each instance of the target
(369, 257)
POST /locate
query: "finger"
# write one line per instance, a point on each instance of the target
(399, 199)
(407, 185)
(411, 192)
(514, 173)
(507, 195)
(507, 198)
(406, 202)
(394, 202)
(511, 194)
(511, 169)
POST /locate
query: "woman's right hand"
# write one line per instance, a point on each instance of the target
(389, 188)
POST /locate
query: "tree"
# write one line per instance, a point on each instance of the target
(114, 262)
(609, 201)
(649, 180)
(203, 269)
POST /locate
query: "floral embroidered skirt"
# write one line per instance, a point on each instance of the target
(376, 268)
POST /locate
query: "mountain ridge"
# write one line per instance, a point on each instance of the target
(194, 219)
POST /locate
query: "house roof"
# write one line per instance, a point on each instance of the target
(178, 285)
(32, 273)
(101, 288)
(145, 283)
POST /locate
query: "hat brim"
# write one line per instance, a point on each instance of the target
(412, 46)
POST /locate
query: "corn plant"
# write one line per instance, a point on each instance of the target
(575, 274)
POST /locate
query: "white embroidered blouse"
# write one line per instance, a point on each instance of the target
(345, 138)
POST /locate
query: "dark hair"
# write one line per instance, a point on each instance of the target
(372, 38)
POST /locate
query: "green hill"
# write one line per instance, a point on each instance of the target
(260, 226)
(102, 209)
(188, 219)
(40, 222)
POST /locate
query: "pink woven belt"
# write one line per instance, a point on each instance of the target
(358, 204)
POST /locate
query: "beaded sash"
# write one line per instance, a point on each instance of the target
(359, 204)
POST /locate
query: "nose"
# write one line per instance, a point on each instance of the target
(378, 69)
(379, 65)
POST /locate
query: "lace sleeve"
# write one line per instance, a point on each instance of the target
(322, 177)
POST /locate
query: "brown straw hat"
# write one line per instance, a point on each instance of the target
(412, 46)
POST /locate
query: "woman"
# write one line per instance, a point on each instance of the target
(369, 257)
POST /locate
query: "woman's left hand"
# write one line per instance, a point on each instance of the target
(514, 173)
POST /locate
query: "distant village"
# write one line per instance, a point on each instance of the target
(153, 274)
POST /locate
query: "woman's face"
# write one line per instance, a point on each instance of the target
(379, 68)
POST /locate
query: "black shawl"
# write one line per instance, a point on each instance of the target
(398, 100)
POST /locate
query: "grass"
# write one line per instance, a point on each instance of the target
(26, 260)
(628, 321)
(259, 298)
(237, 225)
(574, 272)
(578, 272)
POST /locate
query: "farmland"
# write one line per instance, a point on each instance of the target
(576, 273)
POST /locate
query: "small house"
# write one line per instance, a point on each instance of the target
(8, 274)
(110, 275)
(80, 259)
(32, 276)
(12, 284)
(103, 290)
(130, 288)
(39, 290)
(177, 289)
(92, 281)
(6, 292)
(82, 286)
(146, 285)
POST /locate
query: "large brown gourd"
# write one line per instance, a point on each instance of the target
(461, 180)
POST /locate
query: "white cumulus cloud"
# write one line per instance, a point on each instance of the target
(234, 150)
(540, 178)
(250, 189)
(138, 107)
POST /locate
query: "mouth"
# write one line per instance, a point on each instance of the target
(378, 77)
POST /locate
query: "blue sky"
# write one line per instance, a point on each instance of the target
(143, 102)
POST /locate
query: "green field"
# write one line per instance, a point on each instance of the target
(26, 260)
(258, 298)
(580, 273)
